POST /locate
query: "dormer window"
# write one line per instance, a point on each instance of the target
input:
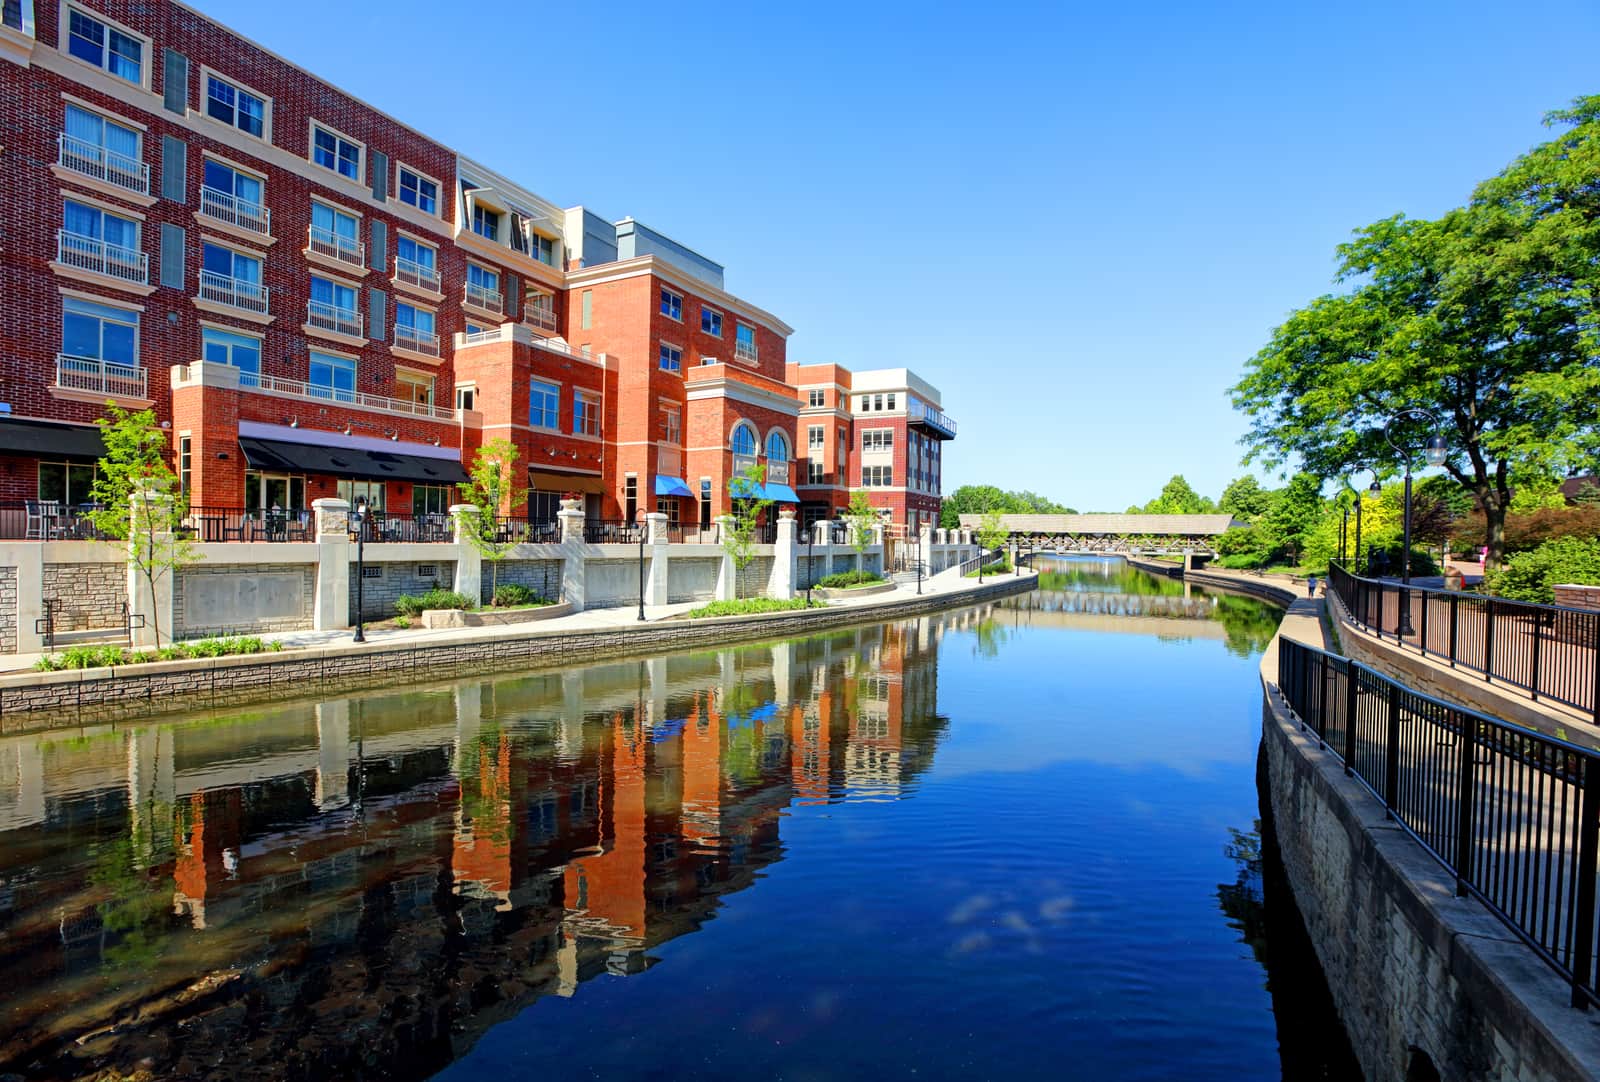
(485, 222)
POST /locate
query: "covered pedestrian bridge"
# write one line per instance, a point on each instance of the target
(1115, 535)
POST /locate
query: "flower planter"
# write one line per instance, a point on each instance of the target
(849, 591)
(433, 619)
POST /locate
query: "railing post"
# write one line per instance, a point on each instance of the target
(1322, 701)
(1488, 641)
(1538, 641)
(1468, 738)
(1422, 639)
(1588, 834)
(1352, 704)
(1391, 770)
(1453, 600)
(1594, 686)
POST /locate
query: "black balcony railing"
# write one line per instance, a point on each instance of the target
(1511, 813)
(612, 532)
(210, 523)
(1546, 650)
(397, 527)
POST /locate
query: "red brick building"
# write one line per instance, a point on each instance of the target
(316, 299)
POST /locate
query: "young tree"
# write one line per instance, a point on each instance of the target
(862, 517)
(494, 487)
(992, 532)
(138, 500)
(749, 504)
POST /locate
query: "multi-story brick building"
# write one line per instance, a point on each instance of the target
(316, 299)
(882, 431)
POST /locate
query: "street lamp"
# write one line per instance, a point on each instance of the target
(361, 568)
(1375, 489)
(638, 517)
(1435, 452)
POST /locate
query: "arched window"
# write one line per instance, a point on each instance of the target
(777, 447)
(744, 440)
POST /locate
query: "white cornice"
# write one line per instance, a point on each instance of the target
(649, 264)
(743, 392)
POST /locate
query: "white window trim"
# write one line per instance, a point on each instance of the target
(339, 208)
(113, 302)
(237, 167)
(137, 312)
(718, 334)
(105, 206)
(312, 124)
(223, 328)
(236, 248)
(438, 187)
(89, 106)
(674, 293)
(266, 100)
(64, 34)
(561, 391)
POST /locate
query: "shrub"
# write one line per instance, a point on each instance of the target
(414, 605)
(402, 622)
(512, 595)
(206, 648)
(843, 580)
(1385, 560)
(747, 606)
(1243, 561)
(999, 567)
(1531, 576)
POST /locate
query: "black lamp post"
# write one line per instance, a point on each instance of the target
(1355, 550)
(638, 516)
(361, 568)
(1435, 452)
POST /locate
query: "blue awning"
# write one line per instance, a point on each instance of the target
(782, 494)
(671, 486)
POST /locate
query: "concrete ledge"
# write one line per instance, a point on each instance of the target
(30, 701)
(831, 594)
(440, 618)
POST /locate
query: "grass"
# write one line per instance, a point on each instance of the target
(850, 580)
(749, 606)
(999, 567)
(109, 656)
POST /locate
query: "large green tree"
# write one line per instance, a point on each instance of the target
(1245, 499)
(981, 499)
(1486, 317)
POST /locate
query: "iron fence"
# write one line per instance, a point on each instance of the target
(211, 523)
(1549, 651)
(612, 532)
(1511, 813)
(982, 559)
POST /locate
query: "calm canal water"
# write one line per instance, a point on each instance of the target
(1014, 841)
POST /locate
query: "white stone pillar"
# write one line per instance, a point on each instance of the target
(29, 561)
(572, 570)
(925, 548)
(469, 561)
(331, 610)
(780, 582)
(469, 722)
(655, 583)
(658, 690)
(154, 604)
(783, 673)
(727, 574)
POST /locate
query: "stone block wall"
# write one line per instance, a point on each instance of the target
(543, 577)
(252, 600)
(392, 579)
(753, 579)
(690, 579)
(8, 610)
(609, 584)
(91, 595)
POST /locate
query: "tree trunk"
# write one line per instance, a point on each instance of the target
(1495, 534)
(155, 612)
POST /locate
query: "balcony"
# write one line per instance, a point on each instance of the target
(746, 351)
(416, 340)
(233, 292)
(316, 392)
(489, 300)
(937, 423)
(239, 213)
(417, 276)
(103, 379)
(97, 257)
(331, 245)
(543, 318)
(326, 317)
(97, 163)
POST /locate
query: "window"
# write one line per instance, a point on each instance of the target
(332, 300)
(668, 505)
(483, 287)
(671, 424)
(671, 358)
(236, 107)
(465, 397)
(814, 471)
(416, 263)
(11, 14)
(335, 233)
(891, 402)
(743, 441)
(66, 482)
(238, 274)
(541, 310)
(233, 196)
(744, 346)
(778, 447)
(630, 497)
(705, 503)
(333, 377)
(414, 328)
(429, 500)
(544, 249)
(588, 309)
(671, 305)
(99, 332)
(814, 437)
(711, 322)
(877, 476)
(543, 507)
(103, 149)
(240, 351)
(814, 399)
(185, 463)
(94, 42)
(418, 191)
(333, 151)
(100, 241)
(585, 413)
(485, 221)
(544, 405)
(414, 387)
(877, 439)
(350, 491)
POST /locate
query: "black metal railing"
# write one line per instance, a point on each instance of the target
(395, 527)
(983, 559)
(48, 520)
(1549, 651)
(612, 532)
(691, 533)
(1511, 813)
(209, 523)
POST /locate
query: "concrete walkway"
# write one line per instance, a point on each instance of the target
(948, 582)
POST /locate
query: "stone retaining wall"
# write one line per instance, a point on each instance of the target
(8, 610)
(54, 700)
(394, 578)
(754, 576)
(690, 579)
(91, 595)
(543, 577)
(254, 600)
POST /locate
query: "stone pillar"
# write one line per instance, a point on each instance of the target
(780, 583)
(331, 610)
(155, 605)
(469, 721)
(569, 736)
(925, 534)
(572, 570)
(333, 754)
(469, 561)
(727, 574)
(783, 674)
(822, 530)
(658, 690)
(655, 583)
(152, 792)
(29, 561)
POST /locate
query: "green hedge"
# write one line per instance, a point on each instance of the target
(515, 596)
(106, 656)
(437, 598)
(751, 605)
(844, 580)
(999, 567)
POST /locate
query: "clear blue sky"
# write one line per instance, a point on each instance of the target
(1078, 220)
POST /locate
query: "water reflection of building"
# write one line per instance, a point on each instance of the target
(388, 876)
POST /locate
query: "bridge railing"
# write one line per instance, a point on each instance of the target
(983, 559)
(1548, 651)
(1512, 814)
